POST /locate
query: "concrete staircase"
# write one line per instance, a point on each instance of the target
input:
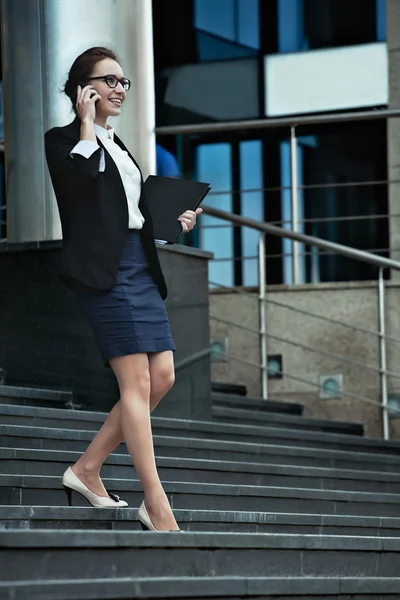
(272, 505)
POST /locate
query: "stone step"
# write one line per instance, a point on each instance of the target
(119, 466)
(56, 555)
(225, 431)
(274, 406)
(66, 517)
(224, 414)
(370, 456)
(40, 490)
(200, 588)
(280, 427)
(36, 397)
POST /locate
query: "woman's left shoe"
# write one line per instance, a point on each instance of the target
(72, 483)
(145, 521)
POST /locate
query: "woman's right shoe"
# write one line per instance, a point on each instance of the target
(72, 483)
(145, 521)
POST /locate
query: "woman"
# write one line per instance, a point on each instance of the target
(110, 260)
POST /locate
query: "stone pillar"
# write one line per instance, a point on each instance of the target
(393, 128)
(41, 39)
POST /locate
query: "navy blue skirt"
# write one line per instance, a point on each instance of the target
(130, 318)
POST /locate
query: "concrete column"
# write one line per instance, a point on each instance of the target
(393, 128)
(41, 39)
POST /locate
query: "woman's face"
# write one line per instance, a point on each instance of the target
(111, 98)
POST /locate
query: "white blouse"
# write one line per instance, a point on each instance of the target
(128, 171)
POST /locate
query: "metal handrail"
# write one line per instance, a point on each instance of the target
(296, 236)
(373, 217)
(365, 115)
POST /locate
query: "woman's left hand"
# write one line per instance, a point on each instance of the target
(188, 219)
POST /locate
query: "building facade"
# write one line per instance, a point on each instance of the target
(238, 60)
(237, 92)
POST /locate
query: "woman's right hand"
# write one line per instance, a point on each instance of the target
(86, 103)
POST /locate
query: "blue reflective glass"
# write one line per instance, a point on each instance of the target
(291, 26)
(214, 165)
(252, 206)
(212, 48)
(248, 20)
(216, 17)
(381, 20)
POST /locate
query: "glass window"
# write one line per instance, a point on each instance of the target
(226, 29)
(381, 20)
(252, 206)
(213, 163)
(316, 24)
(344, 199)
(216, 17)
(290, 25)
(248, 19)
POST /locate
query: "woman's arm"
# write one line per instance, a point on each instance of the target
(85, 156)
(62, 160)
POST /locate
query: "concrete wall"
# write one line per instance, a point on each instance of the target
(44, 341)
(351, 303)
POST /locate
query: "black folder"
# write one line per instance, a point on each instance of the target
(168, 198)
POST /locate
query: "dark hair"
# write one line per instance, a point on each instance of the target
(83, 67)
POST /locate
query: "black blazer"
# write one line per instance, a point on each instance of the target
(94, 213)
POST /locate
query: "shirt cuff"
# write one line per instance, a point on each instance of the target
(87, 148)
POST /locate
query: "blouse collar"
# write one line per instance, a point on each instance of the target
(104, 134)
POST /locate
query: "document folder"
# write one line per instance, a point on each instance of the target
(168, 198)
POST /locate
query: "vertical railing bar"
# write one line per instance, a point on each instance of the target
(382, 356)
(263, 315)
(294, 202)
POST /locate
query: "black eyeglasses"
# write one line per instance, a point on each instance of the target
(112, 81)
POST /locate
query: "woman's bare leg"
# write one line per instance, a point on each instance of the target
(87, 468)
(162, 376)
(133, 375)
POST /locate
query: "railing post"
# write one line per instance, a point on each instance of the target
(263, 315)
(382, 355)
(295, 203)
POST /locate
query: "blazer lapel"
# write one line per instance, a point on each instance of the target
(121, 144)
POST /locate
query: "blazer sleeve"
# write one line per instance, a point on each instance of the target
(58, 149)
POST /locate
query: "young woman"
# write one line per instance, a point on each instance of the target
(110, 260)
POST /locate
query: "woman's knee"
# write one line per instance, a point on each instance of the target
(133, 377)
(162, 380)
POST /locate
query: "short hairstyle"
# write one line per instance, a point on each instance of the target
(83, 67)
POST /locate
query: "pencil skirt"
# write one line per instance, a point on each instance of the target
(131, 317)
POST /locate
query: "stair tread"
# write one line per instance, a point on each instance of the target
(44, 538)
(183, 424)
(353, 441)
(181, 487)
(16, 391)
(263, 405)
(69, 457)
(14, 512)
(198, 587)
(246, 413)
